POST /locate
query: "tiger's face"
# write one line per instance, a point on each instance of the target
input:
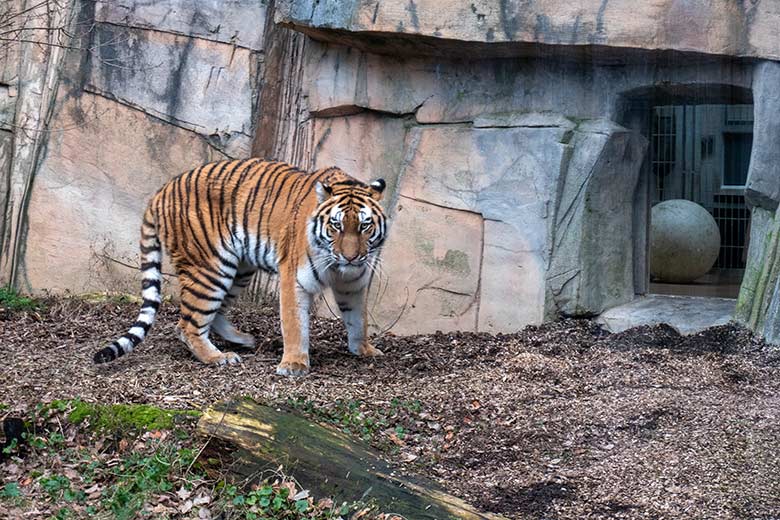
(349, 223)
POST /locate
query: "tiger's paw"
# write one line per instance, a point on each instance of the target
(293, 368)
(368, 350)
(227, 358)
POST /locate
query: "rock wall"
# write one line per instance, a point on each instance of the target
(147, 91)
(510, 135)
(513, 27)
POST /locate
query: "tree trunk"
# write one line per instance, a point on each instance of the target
(326, 461)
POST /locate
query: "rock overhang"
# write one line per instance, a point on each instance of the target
(596, 29)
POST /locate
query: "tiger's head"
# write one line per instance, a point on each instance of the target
(349, 223)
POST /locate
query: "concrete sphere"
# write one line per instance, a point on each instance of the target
(684, 241)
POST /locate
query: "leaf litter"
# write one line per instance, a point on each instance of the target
(563, 420)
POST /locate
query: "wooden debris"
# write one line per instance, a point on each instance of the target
(326, 461)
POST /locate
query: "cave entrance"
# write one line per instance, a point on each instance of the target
(699, 145)
(701, 153)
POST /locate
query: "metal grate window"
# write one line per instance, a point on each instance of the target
(663, 142)
(739, 115)
(732, 217)
(702, 153)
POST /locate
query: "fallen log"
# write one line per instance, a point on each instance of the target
(327, 461)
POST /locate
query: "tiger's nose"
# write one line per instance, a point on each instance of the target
(351, 258)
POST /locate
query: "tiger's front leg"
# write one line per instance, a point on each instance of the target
(354, 311)
(294, 304)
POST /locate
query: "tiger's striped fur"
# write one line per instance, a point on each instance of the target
(223, 221)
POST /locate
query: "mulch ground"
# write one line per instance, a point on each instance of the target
(559, 421)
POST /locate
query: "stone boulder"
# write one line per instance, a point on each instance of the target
(684, 241)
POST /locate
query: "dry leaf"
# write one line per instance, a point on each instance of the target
(183, 494)
(301, 495)
(325, 503)
(395, 439)
(202, 499)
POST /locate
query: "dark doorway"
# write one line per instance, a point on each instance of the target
(699, 144)
(701, 153)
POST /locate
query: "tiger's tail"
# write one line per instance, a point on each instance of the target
(151, 264)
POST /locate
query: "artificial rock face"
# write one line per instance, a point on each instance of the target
(504, 129)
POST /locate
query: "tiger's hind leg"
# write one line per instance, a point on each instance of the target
(221, 324)
(202, 293)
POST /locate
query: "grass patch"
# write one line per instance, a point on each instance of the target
(78, 460)
(121, 417)
(11, 299)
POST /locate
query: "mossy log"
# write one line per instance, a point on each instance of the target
(326, 461)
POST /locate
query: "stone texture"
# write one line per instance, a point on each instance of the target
(10, 51)
(202, 86)
(758, 306)
(237, 22)
(762, 231)
(342, 80)
(444, 90)
(7, 107)
(486, 27)
(512, 287)
(592, 259)
(505, 174)
(38, 74)
(763, 183)
(96, 179)
(430, 273)
(367, 146)
(6, 155)
(508, 176)
(687, 314)
(555, 199)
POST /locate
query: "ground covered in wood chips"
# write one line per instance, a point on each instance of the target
(558, 421)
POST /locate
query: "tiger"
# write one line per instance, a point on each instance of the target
(223, 221)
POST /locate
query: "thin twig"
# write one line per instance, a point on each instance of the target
(136, 267)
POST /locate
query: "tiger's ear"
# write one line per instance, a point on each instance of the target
(324, 191)
(378, 187)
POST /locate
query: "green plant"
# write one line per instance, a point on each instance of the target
(272, 501)
(141, 475)
(55, 485)
(10, 490)
(11, 299)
